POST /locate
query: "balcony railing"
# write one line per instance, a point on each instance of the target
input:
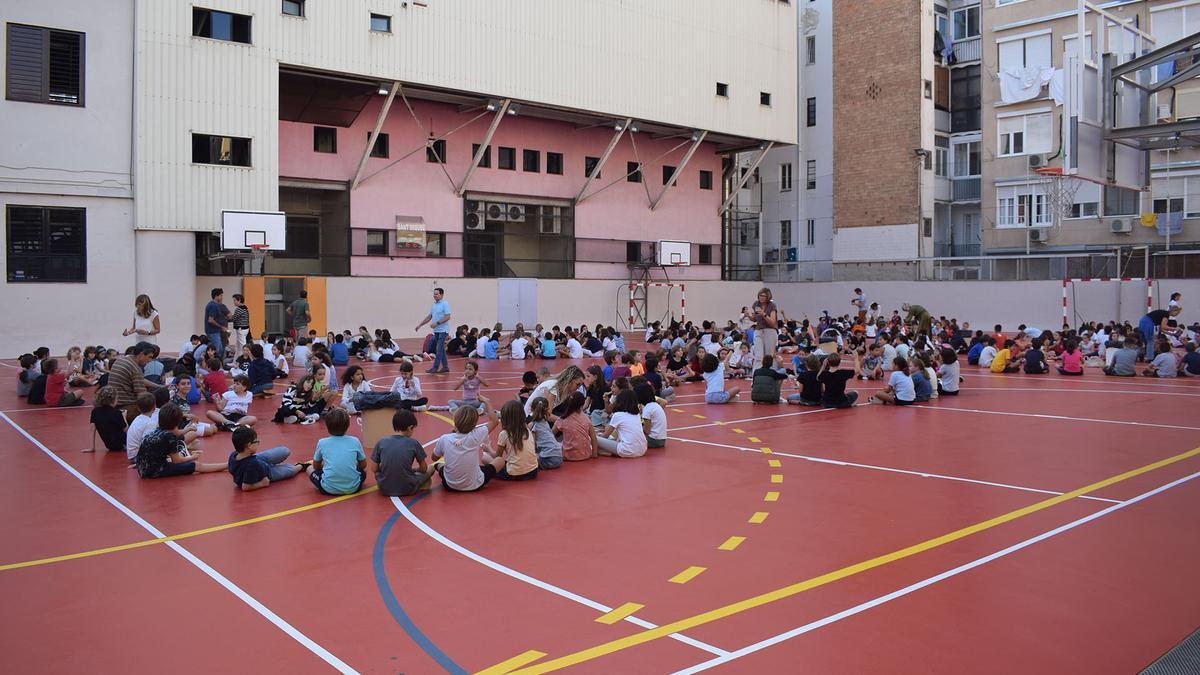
(967, 189)
(967, 50)
(946, 250)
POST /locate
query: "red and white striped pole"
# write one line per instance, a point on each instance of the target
(1149, 295)
(1065, 322)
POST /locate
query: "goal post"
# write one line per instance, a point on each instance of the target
(1069, 283)
(640, 301)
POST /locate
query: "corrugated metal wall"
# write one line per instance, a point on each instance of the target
(649, 59)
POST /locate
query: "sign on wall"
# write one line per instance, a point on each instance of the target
(410, 235)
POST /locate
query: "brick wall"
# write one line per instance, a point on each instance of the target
(876, 102)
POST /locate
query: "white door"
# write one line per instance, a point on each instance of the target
(516, 302)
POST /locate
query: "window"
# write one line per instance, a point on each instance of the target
(46, 244)
(810, 50)
(589, 165)
(1071, 43)
(1021, 134)
(633, 172)
(785, 233)
(554, 163)
(324, 139)
(381, 23)
(293, 7)
(810, 175)
(380, 149)
(209, 23)
(435, 152)
(965, 99)
(966, 23)
(435, 244)
(667, 172)
(764, 98)
(967, 160)
(941, 156)
(229, 150)
(377, 242)
(1086, 202)
(785, 177)
(1175, 189)
(1172, 205)
(485, 161)
(928, 227)
(531, 160)
(705, 180)
(722, 89)
(1022, 206)
(633, 251)
(1119, 201)
(44, 65)
(811, 115)
(506, 158)
(1032, 51)
(810, 234)
(303, 238)
(704, 254)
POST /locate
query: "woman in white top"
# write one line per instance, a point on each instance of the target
(145, 320)
(556, 389)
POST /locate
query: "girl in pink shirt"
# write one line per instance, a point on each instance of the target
(578, 434)
(1072, 359)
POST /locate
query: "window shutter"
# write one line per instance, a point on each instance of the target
(1037, 51)
(1038, 133)
(65, 67)
(26, 63)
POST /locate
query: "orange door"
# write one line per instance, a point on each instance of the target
(316, 304)
(254, 292)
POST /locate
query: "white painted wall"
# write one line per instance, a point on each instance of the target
(879, 242)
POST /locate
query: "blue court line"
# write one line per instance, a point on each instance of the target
(393, 605)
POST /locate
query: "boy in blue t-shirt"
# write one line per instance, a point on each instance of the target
(253, 470)
(339, 464)
(339, 353)
(491, 349)
(549, 348)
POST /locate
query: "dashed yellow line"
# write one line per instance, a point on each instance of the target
(766, 451)
(774, 463)
(771, 497)
(754, 439)
(619, 613)
(731, 543)
(776, 478)
(687, 575)
(699, 417)
(758, 517)
(513, 663)
(737, 431)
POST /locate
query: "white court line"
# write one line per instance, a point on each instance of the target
(46, 409)
(574, 597)
(756, 419)
(1140, 380)
(922, 474)
(808, 627)
(1086, 391)
(216, 576)
(8, 365)
(1054, 417)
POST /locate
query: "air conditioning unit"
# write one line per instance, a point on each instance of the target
(1120, 226)
(516, 213)
(1037, 161)
(1038, 234)
(497, 212)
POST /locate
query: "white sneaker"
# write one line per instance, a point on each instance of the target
(311, 419)
(421, 408)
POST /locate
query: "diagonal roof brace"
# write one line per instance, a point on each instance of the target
(501, 110)
(697, 139)
(383, 111)
(741, 183)
(619, 131)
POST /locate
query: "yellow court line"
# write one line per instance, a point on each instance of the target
(766, 451)
(776, 478)
(619, 613)
(731, 543)
(737, 431)
(184, 535)
(758, 517)
(836, 575)
(774, 463)
(515, 662)
(754, 439)
(699, 417)
(771, 497)
(687, 575)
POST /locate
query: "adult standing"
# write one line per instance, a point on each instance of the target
(920, 315)
(860, 304)
(1155, 321)
(216, 318)
(299, 311)
(127, 377)
(439, 320)
(765, 316)
(145, 320)
(241, 324)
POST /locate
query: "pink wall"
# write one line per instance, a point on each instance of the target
(414, 187)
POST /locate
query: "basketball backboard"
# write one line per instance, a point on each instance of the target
(240, 230)
(1109, 40)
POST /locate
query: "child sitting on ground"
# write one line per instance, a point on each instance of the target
(714, 382)
(578, 434)
(301, 403)
(1035, 361)
(549, 449)
(144, 423)
(653, 416)
(467, 466)
(214, 383)
(339, 464)
(529, 382)
(470, 383)
(1164, 364)
(515, 443)
(766, 382)
(162, 452)
(261, 372)
(57, 393)
(107, 421)
(279, 360)
(922, 386)
(808, 384)
(354, 381)
(74, 370)
(625, 434)
(28, 374)
(254, 470)
(1005, 361)
(236, 410)
(1124, 360)
(1190, 365)
(1072, 359)
(182, 392)
(393, 457)
(872, 366)
(988, 354)
(409, 388)
(900, 389)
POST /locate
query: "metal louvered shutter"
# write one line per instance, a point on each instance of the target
(26, 72)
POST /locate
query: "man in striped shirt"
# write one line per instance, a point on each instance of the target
(126, 376)
(241, 324)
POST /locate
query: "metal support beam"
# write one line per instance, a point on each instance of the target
(383, 111)
(742, 181)
(483, 146)
(612, 144)
(1153, 58)
(679, 169)
(1154, 130)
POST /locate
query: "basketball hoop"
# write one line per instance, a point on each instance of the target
(1060, 191)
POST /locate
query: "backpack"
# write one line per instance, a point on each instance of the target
(764, 389)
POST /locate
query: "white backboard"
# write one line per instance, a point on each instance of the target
(674, 252)
(241, 229)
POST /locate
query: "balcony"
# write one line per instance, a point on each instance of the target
(948, 250)
(967, 50)
(967, 189)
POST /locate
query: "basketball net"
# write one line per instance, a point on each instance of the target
(1060, 192)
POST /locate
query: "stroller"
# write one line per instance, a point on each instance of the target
(830, 341)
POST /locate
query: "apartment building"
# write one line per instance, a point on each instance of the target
(1022, 136)
(957, 164)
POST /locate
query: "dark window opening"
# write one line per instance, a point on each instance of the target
(668, 171)
(531, 161)
(485, 161)
(436, 152)
(705, 254)
(377, 242)
(554, 163)
(324, 139)
(380, 149)
(764, 98)
(811, 113)
(44, 65)
(293, 7)
(705, 180)
(633, 172)
(303, 238)
(965, 99)
(209, 23)
(589, 165)
(435, 244)
(507, 158)
(722, 89)
(633, 251)
(381, 23)
(227, 150)
(46, 244)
